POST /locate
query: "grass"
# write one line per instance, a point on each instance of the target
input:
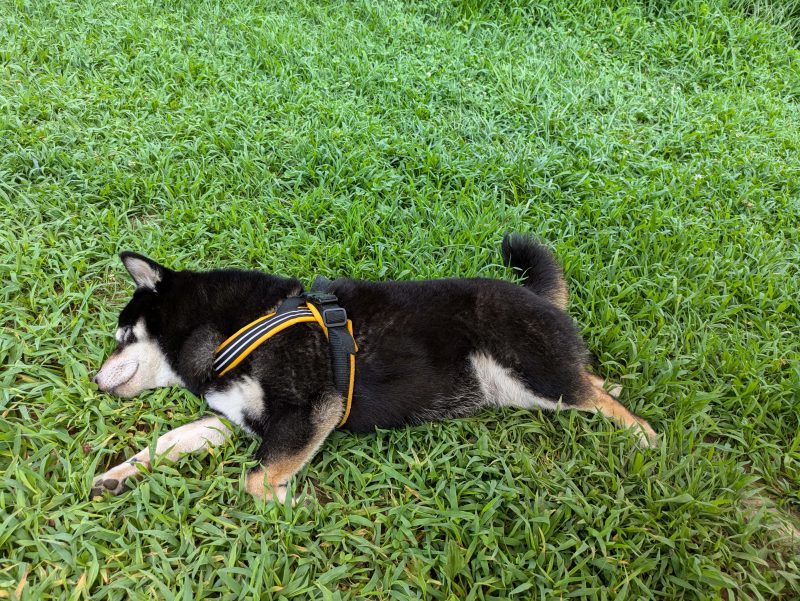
(784, 13)
(653, 145)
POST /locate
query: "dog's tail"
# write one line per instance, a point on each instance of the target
(540, 269)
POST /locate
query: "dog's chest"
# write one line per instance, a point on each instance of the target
(244, 398)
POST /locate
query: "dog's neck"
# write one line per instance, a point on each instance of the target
(231, 307)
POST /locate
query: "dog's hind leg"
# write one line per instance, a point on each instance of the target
(197, 435)
(600, 401)
(502, 389)
(290, 441)
(614, 390)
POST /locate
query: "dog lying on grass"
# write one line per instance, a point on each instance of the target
(428, 350)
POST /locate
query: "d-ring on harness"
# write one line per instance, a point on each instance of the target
(314, 306)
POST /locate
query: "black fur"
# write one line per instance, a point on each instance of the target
(415, 342)
(540, 269)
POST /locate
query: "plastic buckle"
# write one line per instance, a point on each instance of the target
(334, 317)
(321, 297)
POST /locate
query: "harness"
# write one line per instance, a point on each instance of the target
(316, 306)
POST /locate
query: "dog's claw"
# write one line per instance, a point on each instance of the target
(103, 486)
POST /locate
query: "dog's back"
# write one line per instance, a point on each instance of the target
(445, 348)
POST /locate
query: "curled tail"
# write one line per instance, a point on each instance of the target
(540, 269)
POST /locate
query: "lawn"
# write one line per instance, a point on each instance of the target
(655, 147)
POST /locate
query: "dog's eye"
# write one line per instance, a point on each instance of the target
(125, 335)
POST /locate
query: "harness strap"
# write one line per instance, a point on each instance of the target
(317, 307)
(236, 348)
(290, 304)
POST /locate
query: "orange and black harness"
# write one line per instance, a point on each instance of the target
(319, 307)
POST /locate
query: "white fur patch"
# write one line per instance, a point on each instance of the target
(243, 398)
(136, 366)
(501, 389)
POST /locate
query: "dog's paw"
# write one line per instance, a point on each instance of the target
(647, 437)
(103, 485)
(303, 500)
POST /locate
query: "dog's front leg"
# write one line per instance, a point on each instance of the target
(200, 434)
(290, 441)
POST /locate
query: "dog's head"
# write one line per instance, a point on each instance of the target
(140, 360)
(169, 331)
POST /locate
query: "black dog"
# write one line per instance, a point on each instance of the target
(428, 350)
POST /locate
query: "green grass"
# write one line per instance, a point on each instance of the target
(653, 145)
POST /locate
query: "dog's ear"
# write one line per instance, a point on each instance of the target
(145, 272)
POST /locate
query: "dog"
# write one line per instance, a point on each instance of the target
(427, 350)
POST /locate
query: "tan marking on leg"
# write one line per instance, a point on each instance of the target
(200, 434)
(276, 476)
(255, 485)
(614, 389)
(602, 402)
(597, 381)
(275, 472)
